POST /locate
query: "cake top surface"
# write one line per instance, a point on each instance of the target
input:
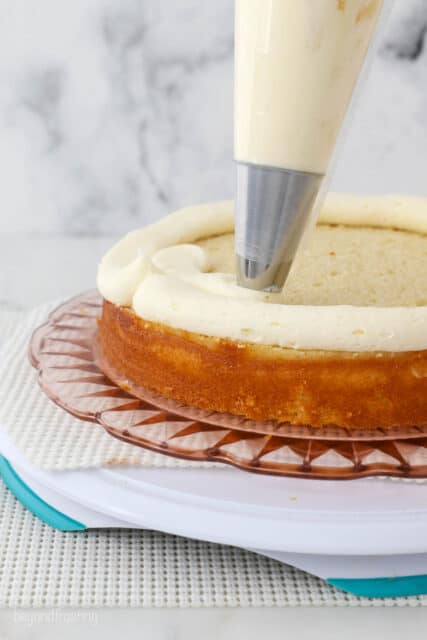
(358, 284)
(341, 265)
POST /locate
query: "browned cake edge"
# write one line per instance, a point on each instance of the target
(318, 388)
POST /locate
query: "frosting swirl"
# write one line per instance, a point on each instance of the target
(165, 277)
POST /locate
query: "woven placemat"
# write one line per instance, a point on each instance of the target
(43, 567)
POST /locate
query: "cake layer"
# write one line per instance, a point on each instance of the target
(344, 344)
(358, 390)
(357, 266)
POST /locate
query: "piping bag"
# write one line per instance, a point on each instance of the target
(297, 64)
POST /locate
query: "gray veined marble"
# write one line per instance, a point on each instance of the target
(115, 112)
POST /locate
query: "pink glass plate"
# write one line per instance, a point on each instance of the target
(71, 374)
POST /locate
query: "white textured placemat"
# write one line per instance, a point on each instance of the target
(49, 437)
(43, 567)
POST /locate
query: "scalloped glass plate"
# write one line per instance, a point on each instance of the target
(71, 373)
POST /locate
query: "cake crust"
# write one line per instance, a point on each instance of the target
(362, 390)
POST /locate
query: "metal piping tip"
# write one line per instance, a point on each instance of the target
(272, 209)
(260, 276)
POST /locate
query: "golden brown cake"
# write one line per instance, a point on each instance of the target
(345, 343)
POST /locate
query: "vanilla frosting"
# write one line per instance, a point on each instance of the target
(165, 276)
(297, 63)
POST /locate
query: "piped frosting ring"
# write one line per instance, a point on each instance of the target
(165, 278)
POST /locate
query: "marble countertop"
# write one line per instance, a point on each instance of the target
(217, 624)
(113, 114)
(37, 268)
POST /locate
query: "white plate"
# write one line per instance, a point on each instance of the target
(360, 517)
